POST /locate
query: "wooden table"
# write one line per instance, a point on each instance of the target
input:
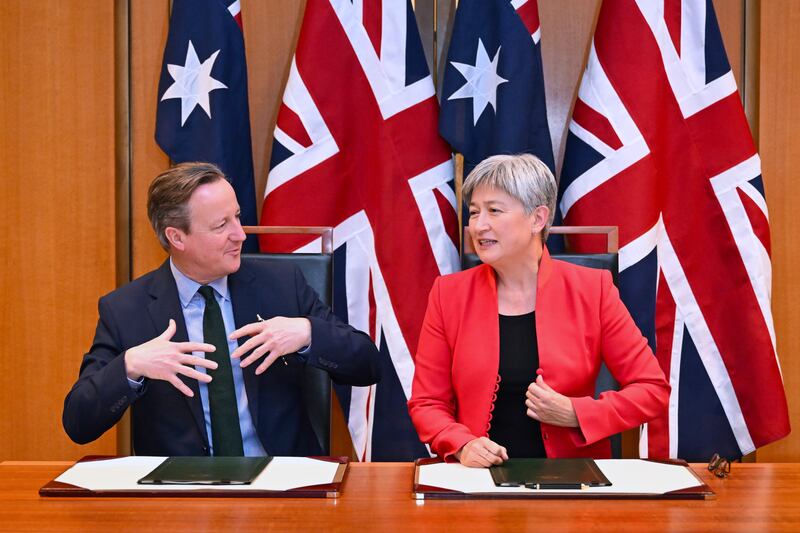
(377, 497)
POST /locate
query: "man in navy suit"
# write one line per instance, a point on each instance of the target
(149, 350)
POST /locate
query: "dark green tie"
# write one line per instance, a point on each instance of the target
(225, 431)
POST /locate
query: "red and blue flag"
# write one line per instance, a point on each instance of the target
(660, 147)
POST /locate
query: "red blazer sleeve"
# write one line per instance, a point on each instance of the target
(432, 405)
(644, 392)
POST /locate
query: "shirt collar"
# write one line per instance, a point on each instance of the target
(187, 287)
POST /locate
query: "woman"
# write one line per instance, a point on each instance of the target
(510, 350)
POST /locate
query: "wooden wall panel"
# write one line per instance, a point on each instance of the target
(56, 212)
(149, 21)
(779, 112)
(730, 15)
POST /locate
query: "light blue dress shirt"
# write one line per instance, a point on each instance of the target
(193, 306)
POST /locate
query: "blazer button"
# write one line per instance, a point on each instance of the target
(544, 436)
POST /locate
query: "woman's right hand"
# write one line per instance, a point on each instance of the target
(481, 452)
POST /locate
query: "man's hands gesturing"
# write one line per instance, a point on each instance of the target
(160, 358)
(271, 339)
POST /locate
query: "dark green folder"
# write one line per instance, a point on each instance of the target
(549, 474)
(206, 471)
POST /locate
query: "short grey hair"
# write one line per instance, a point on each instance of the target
(523, 177)
(169, 194)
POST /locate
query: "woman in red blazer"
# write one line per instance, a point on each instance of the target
(510, 350)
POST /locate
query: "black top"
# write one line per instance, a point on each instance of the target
(519, 360)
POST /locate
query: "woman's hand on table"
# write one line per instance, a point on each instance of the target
(481, 452)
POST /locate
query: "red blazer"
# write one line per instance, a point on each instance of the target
(580, 321)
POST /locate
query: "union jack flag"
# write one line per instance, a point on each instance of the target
(659, 146)
(356, 148)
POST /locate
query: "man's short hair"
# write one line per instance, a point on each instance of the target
(169, 194)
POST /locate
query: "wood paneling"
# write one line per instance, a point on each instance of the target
(730, 15)
(56, 212)
(779, 113)
(149, 21)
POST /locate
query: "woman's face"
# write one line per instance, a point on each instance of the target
(501, 231)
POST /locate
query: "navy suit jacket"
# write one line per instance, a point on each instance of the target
(166, 422)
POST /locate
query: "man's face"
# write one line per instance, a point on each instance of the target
(213, 246)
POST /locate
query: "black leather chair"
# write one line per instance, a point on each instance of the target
(608, 260)
(318, 271)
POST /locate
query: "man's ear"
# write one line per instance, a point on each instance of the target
(539, 218)
(175, 237)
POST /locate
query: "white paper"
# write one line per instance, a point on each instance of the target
(282, 473)
(631, 476)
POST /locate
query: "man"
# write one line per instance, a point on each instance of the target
(192, 346)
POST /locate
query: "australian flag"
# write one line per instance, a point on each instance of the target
(203, 112)
(493, 99)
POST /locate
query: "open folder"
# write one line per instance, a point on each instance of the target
(206, 471)
(628, 478)
(551, 474)
(292, 477)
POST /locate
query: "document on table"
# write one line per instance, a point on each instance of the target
(281, 474)
(627, 476)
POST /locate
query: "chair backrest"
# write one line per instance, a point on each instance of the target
(318, 272)
(608, 260)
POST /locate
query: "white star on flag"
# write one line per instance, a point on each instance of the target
(482, 82)
(192, 83)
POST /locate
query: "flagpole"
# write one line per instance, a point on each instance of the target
(458, 158)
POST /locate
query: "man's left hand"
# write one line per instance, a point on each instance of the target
(546, 405)
(274, 337)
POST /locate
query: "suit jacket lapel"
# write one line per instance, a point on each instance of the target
(245, 308)
(165, 304)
